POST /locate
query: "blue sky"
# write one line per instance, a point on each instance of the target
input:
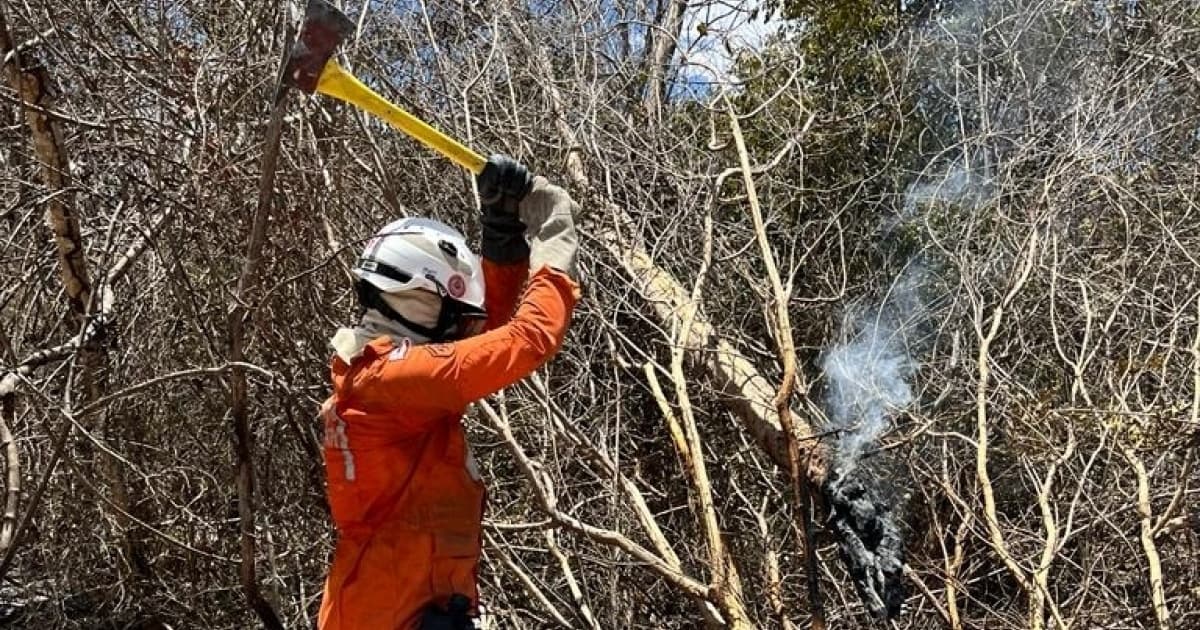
(708, 60)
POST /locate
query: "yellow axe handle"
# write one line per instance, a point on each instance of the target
(338, 83)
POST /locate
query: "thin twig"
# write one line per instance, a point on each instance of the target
(12, 468)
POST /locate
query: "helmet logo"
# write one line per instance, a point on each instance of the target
(456, 286)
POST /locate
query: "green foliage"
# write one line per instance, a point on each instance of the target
(834, 28)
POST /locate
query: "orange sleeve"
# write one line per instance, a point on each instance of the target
(502, 289)
(448, 376)
(497, 359)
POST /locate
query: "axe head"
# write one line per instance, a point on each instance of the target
(324, 28)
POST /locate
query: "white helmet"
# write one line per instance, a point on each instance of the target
(417, 253)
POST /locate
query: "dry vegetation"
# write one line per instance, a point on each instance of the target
(1023, 174)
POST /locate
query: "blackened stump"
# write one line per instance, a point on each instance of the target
(868, 537)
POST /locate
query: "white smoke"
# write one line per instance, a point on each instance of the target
(965, 186)
(869, 374)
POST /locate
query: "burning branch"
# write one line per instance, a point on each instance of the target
(870, 541)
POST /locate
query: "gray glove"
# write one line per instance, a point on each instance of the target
(548, 213)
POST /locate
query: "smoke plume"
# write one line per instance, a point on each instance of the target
(870, 370)
(868, 383)
(870, 380)
(868, 375)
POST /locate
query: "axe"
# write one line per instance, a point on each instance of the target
(311, 68)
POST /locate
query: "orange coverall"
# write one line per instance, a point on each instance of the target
(405, 495)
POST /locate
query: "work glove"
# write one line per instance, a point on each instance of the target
(548, 213)
(503, 183)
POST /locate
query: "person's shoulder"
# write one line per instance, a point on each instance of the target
(408, 360)
(416, 375)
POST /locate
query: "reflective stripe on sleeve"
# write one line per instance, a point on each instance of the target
(335, 437)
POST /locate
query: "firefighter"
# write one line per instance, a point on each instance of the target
(440, 328)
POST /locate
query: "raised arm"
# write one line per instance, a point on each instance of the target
(510, 353)
(502, 185)
(455, 374)
(503, 289)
